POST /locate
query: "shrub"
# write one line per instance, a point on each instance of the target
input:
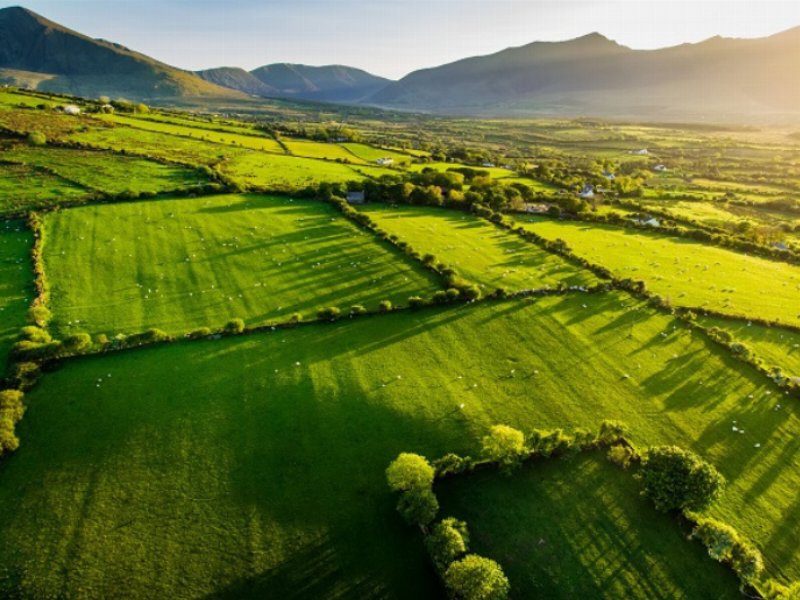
(611, 432)
(330, 313)
(39, 315)
(440, 297)
(409, 472)
(385, 306)
(476, 578)
(453, 294)
(725, 545)
(679, 479)
(471, 292)
(451, 464)
(418, 506)
(11, 404)
(77, 342)
(8, 438)
(505, 446)
(199, 333)
(296, 317)
(25, 374)
(448, 540)
(36, 334)
(234, 326)
(358, 309)
(37, 138)
(620, 455)
(416, 302)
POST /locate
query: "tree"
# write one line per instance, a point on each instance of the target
(331, 313)
(675, 478)
(11, 404)
(505, 446)
(37, 138)
(409, 472)
(476, 578)
(385, 306)
(418, 506)
(77, 342)
(448, 540)
(234, 326)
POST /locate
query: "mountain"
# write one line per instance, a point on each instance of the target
(716, 79)
(35, 52)
(238, 79)
(332, 83)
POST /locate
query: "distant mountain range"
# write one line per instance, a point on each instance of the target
(715, 80)
(333, 83)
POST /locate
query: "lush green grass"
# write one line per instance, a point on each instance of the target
(264, 142)
(476, 249)
(16, 287)
(534, 184)
(494, 172)
(182, 264)
(53, 125)
(688, 273)
(257, 463)
(577, 527)
(776, 346)
(106, 171)
(370, 154)
(292, 172)
(159, 145)
(24, 188)
(321, 150)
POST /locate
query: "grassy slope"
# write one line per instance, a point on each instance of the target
(264, 142)
(371, 154)
(321, 150)
(777, 347)
(292, 172)
(181, 264)
(689, 273)
(23, 188)
(105, 171)
(542, 524)
(16, 290)
(221, 463)
(477, 250)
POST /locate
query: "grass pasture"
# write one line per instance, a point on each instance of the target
(322, 150)
(371, 154)
(477, 250)
(687, 272)
(182, 264)
(24, 188)
(179, 470)
(16, 287)
(543, 525)
(106, 171)
(253, 141)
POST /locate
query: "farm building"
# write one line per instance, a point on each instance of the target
(642, 152)
(356, 197)
(385, 161)
(660, 168)
(587, 192)
(71, 109)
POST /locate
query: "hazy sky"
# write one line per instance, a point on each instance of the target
(394, 37)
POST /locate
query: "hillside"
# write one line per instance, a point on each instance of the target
(35, 52)
(332, 83)
(592, 75)
(237, 79)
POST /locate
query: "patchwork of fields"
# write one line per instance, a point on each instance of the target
(253, 466)
(178, 265)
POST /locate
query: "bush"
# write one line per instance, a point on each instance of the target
(385, 306)
(358, 309)
(200, 332)
(36, 334)
(451, 464)
(234, 326)
(476, 578)
(448, 540)
(11, 404)
(725, 545)
(416, 302)
(471, 292)
(39, 315)
(505, 446)
(679, 479)
(418, 506)
(611, 432)
(620, 455)
(330, 313)
(453, 294)
(77, 342)
(37, 138)
(440, 297)
(409, 472)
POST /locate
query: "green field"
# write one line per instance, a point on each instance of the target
(16, 287)
(254, 142)
(106, 171)
(370, 154)
(25, 188)
(182, 264)
(687, 272)
(542, 524)
(776, 346)
(292, 172)
(476, 249)
(321, 150)
(494, 172)
(218, 467)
